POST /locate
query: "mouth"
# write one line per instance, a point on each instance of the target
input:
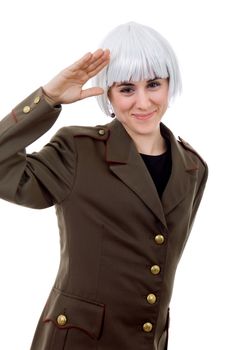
(143, 116)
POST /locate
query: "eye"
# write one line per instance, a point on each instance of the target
(126, 90)
(154, 84)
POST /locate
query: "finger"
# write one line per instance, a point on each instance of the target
(93, 64)
(99, 54)
(97, 69)
(93, 91)
(99, 64)
(81, 62)
(90, 58)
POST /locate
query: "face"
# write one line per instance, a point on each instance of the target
(140, 105)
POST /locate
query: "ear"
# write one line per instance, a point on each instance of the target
(109, 93)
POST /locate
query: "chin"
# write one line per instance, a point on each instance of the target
(145, 129)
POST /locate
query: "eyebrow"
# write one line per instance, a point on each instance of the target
(126, 83)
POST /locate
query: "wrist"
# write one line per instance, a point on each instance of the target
(48, 98)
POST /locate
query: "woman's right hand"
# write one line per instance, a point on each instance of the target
(67, 86)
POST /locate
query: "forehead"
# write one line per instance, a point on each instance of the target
(135, 82)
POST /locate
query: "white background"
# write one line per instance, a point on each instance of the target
(37, 40)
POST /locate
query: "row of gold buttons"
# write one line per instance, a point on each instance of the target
(159, 239)
(155, 270)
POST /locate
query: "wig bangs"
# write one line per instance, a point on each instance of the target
(136, 60)
(125, 69)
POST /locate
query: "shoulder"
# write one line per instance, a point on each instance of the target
(187, 147)
(201, 164)
(98, 132)
(184, 146)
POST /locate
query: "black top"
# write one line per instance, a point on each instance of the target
(159, 168)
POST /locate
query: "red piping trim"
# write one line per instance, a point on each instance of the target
(70, 326)
(14, 116)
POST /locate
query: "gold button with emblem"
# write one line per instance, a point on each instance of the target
(147, 327)
(26, 109)
(155, 269)
(151, 298)
(101, 132)
(159, 239)
(61, 320)
(37, 99)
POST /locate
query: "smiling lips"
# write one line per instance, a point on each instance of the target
(143, 116)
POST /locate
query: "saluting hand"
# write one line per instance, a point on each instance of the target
(67, 86)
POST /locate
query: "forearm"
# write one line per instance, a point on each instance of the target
(26, 123)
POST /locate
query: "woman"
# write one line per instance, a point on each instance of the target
(126, 194)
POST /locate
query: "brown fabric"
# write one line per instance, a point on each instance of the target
(109, 213)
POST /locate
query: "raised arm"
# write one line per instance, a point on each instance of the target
(43, 178)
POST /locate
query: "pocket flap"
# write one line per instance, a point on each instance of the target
(68, 311)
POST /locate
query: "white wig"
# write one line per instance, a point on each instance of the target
(137, 52)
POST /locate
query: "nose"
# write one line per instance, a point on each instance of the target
(143, 101)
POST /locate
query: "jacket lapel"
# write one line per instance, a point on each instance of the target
(183, 176)
(126, 163)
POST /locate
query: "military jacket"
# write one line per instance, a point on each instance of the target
(120, 244)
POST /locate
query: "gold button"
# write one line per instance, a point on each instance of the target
(155, 269)
(147, 327)
(26, 109)
(61, 320)
(101, 132)
(37, 99)
(151, 298)
(159, 239)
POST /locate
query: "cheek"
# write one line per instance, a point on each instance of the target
(161, 99)
(122, 105)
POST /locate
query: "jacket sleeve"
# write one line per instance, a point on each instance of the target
(36, 180)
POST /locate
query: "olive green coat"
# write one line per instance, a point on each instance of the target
(120, 244)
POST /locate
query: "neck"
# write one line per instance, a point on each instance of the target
(152, 144)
